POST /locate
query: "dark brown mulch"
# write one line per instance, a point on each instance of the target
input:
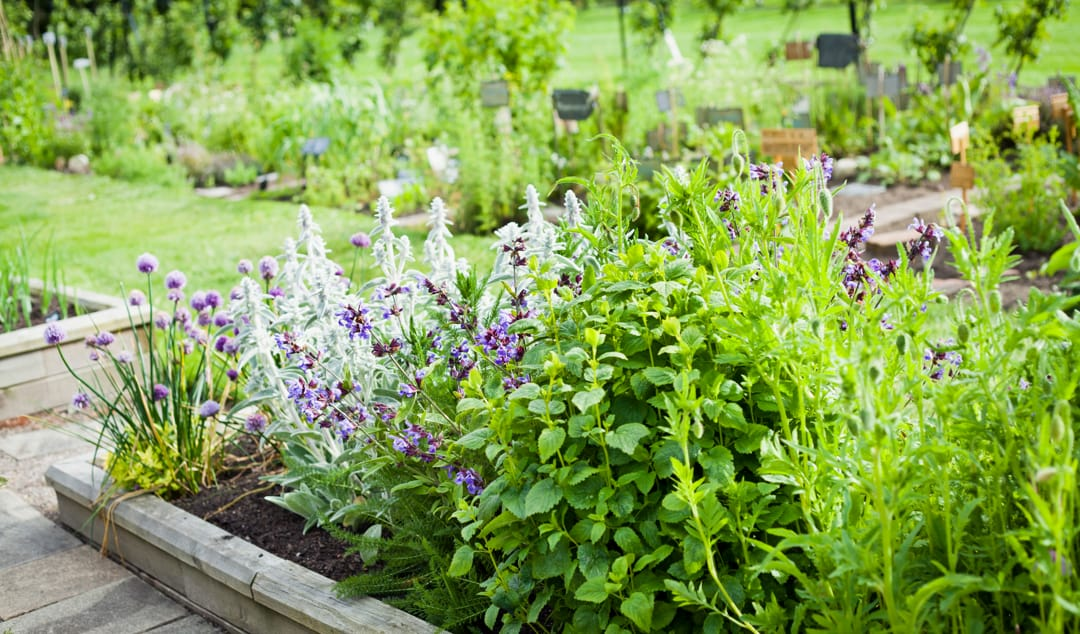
(39, 316)
(269, 526)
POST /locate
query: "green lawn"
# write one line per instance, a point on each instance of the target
(97, 227)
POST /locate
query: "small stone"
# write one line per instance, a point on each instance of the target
(845, 168)
(79, 164)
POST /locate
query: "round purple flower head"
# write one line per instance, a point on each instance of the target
(268, 267)
(160, 392)
(243, 267)
(209, 409)
(104, 339)
(54, 334)
(146, 263)
(136, 298)
(198, 300)
(81, 400)
(232, 373)
(213, 299)
(124, 356)
(255, 423)
(360, 240)
(175, 279)
(175, 295)
(162, 320)
(221, 320)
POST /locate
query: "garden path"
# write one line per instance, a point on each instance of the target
(52, 582)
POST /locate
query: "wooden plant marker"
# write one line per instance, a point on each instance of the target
(1061, 110)
(90, 50)
(789, 144)
(1025, 119)
(961, 174)
(797, 49)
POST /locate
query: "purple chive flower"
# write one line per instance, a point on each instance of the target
(360, 240)
(277, 292)
(255, 423)
(162, 320)
(243, 267)
(236, 293)
(104, 339)
(221, 320)
(219, 343)
(146, 263)
(232, 374)
(125, 357)
(198, 300)
(182, 315)
(159, 392)
(136, 298)
(81, 400)
(175, 280)
(204, 318)
(209, 409)
(54, 334)
(93, 355)
(213, 299)
(268, 267)
(188, 346)
(175, 295)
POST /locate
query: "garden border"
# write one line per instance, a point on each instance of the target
(33, 377)
(232, 579)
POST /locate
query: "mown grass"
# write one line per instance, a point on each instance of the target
(98, 226)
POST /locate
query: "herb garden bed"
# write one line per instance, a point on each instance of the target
(236, 581)
(32, 375)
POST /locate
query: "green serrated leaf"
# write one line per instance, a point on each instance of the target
(461, 564)
(638, 607)
(529, 391)
(626, 437)
(585, 400)
(592, 591)
(659, 376)
(475, 439)
(470, 404)
(551, 440)
(543, 495)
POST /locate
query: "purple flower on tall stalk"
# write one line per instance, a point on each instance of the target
(146, 263)
(136, 298)
(162, 320)
(729, 200)
(826, 163)
(360, 240)
(232, 374)
(104, 339)
(198, 300)
(182, 316)
(772, 175)
(277, 292)
(54, 334)
(221, 320)
(213, 299)
(268, 267)
(159, 392)
(175, 280)
(81, 400)
(929, 237)
(209, 409)
(244, 267)
(175, 295)
(124, 357)
(204, 319)
(236, 293)
(255, 423)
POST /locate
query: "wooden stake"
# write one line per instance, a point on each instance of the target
(90, 50)
(63, 59)
(50, 42)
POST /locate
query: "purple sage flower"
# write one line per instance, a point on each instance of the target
(81, 400)
(244, 267)
(255, 423)
(360, 240)
(729, 200)
(826, 163)
(209, 409)
(268, 267)
(175, 280)
(54, 334)
(136, 298)
(159, 392)
(146, 263)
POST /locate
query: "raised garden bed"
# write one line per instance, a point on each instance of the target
(238, 582)
(32, 376)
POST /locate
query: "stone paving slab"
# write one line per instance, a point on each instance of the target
(128, 606)
(45, 581)
(42, 442)
(25, 535)
(190, 625)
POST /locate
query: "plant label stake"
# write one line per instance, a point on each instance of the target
(1063, 112)
(63, 59)
(90, 50)
(81, 64)
(1025, 119)
(709, 116)
(788, 144)
(494, 94)
(797, 50)
(50, 42)
(669, 101)
(961, 174)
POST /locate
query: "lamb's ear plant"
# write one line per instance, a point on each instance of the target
(160, 392)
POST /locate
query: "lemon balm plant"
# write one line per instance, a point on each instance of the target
(160, 395)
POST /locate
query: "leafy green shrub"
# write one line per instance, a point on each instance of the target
(312, 53)
(26, 126)
(1023, 188)
(137, 164)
